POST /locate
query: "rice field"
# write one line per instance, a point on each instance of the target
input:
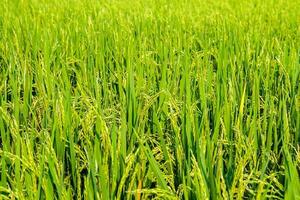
(149, 99)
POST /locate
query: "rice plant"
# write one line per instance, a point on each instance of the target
(149, 99)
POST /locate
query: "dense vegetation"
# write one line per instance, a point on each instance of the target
(149, 99)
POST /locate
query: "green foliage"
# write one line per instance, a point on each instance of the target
(149, 99)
